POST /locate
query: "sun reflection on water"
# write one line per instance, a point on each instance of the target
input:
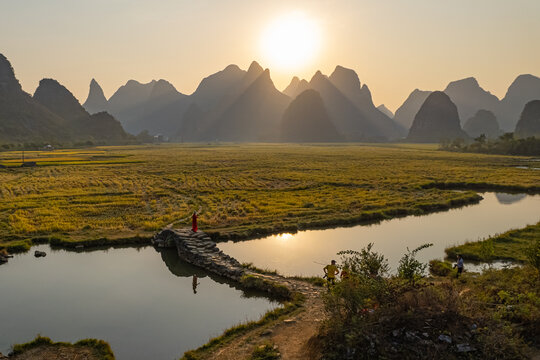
(284, 237)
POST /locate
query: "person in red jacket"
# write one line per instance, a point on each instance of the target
(194, 222)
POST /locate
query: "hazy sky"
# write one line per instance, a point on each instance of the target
(394, 45)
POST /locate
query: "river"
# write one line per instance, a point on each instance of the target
(142, 302)
(306, 252)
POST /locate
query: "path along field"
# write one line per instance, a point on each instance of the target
(243, 190)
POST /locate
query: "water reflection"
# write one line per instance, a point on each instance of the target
(302, 253)
(505, 198)
(183, 269)
(128, 297)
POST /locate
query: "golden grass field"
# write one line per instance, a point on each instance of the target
(242, 190)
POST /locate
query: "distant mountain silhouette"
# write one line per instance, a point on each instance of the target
(96, 100)
(102, 126)
(296, 87)
(254, 115)
(52, 115)
(347, 81)
(407, 111)
(437, 119)
(386, 111)
(23, 119)
(156, 106)
(469, 97)
(59, 100)
(225, 101)
(483, 122)
(348, 120)
(524, 89)
(191, 121)
(234, 105)
(212, 88)
(529, 122)
(306, 120)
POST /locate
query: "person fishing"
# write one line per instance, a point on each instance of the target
(194, 222)
(330, 272)
(459, 265)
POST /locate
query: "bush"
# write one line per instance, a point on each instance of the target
(365, 262)
(411, 269)
(440, 268)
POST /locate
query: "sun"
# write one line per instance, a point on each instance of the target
(291, 41)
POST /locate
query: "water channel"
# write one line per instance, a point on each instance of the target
(140, 301)
(303, 253)
(143, 303)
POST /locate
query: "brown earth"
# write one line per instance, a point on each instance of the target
(58, 352)
(290, 335)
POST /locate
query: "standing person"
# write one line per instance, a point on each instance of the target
(194, 222)
(330, 271)
(459, 265)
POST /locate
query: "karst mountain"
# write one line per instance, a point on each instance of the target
(53, 114)
(437, 120)
(239, 105)
(484, 122)
(306, 120)
(529, 121)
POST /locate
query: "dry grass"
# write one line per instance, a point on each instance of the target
(243, 190)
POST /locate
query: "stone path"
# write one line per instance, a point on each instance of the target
(198, 249)
(291, 336)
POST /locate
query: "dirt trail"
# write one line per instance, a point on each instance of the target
(291, 335)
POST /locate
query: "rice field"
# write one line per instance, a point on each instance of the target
(240, 190)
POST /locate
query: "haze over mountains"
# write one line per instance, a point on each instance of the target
(226, 108)
(244, 106)
(470, 97)
(483, 122)
(52, 114)
(529, 122)
(238, 105)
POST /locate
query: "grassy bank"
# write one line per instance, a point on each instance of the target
(19, 246)
(100, 349)
(511, 245)
(293, 305)
(491, 315)
(243, 190)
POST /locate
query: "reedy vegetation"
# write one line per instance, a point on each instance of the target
(243, 190)
(494, 314)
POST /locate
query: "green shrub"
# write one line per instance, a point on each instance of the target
(365, 262)
(411, 269)
(440, 268)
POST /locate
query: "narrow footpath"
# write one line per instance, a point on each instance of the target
(290, 335)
